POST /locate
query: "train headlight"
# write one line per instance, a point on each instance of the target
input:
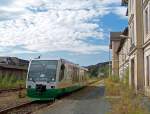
(30, 79)
(53, 79)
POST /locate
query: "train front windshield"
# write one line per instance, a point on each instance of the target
(43, 70)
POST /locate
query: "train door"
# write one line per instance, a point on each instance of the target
(62, 72)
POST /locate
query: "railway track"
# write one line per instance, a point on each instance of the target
(26, 108)
(10, 90)
(30, 107)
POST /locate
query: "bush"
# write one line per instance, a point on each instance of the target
(7, 82)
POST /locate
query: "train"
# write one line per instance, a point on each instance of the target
(48, 79)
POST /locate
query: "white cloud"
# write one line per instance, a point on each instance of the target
(121, 11)
(110, 2)
(62, 27)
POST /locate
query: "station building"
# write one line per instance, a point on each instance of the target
(146, 44)
(120, 50)
(134, 47)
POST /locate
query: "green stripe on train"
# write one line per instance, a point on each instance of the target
(50, 93)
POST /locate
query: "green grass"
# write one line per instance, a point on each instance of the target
(7, 82)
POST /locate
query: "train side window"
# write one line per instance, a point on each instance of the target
(62, 71)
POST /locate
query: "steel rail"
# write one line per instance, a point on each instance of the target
(6, 110)
(10, 90)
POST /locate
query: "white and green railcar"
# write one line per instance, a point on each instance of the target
(48, 79)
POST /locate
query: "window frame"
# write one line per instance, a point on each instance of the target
(132, 35)
(147, 70)
(147, 21)
(131, 6)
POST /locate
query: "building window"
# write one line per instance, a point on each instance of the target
(132, 73)
(148, 71)
(131, 6)
(146, 21)
(132, 34)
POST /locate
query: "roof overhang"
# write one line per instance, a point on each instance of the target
(125, 31)
(114, 36)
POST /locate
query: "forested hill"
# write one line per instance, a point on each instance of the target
(100, 69)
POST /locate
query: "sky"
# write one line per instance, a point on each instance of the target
(76, 30)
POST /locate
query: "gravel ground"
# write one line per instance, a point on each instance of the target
(9, 99)
(89, 100)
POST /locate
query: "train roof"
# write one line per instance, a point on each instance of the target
(46, 59)
(57, 59)
(53, 59)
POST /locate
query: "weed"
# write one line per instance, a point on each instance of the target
(129, 102)
(112, 87)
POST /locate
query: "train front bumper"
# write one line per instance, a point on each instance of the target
(45, 95)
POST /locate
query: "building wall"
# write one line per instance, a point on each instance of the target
(136, 59)
(124, 58)
(115, 58)
(139, 52)
(146, 21)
